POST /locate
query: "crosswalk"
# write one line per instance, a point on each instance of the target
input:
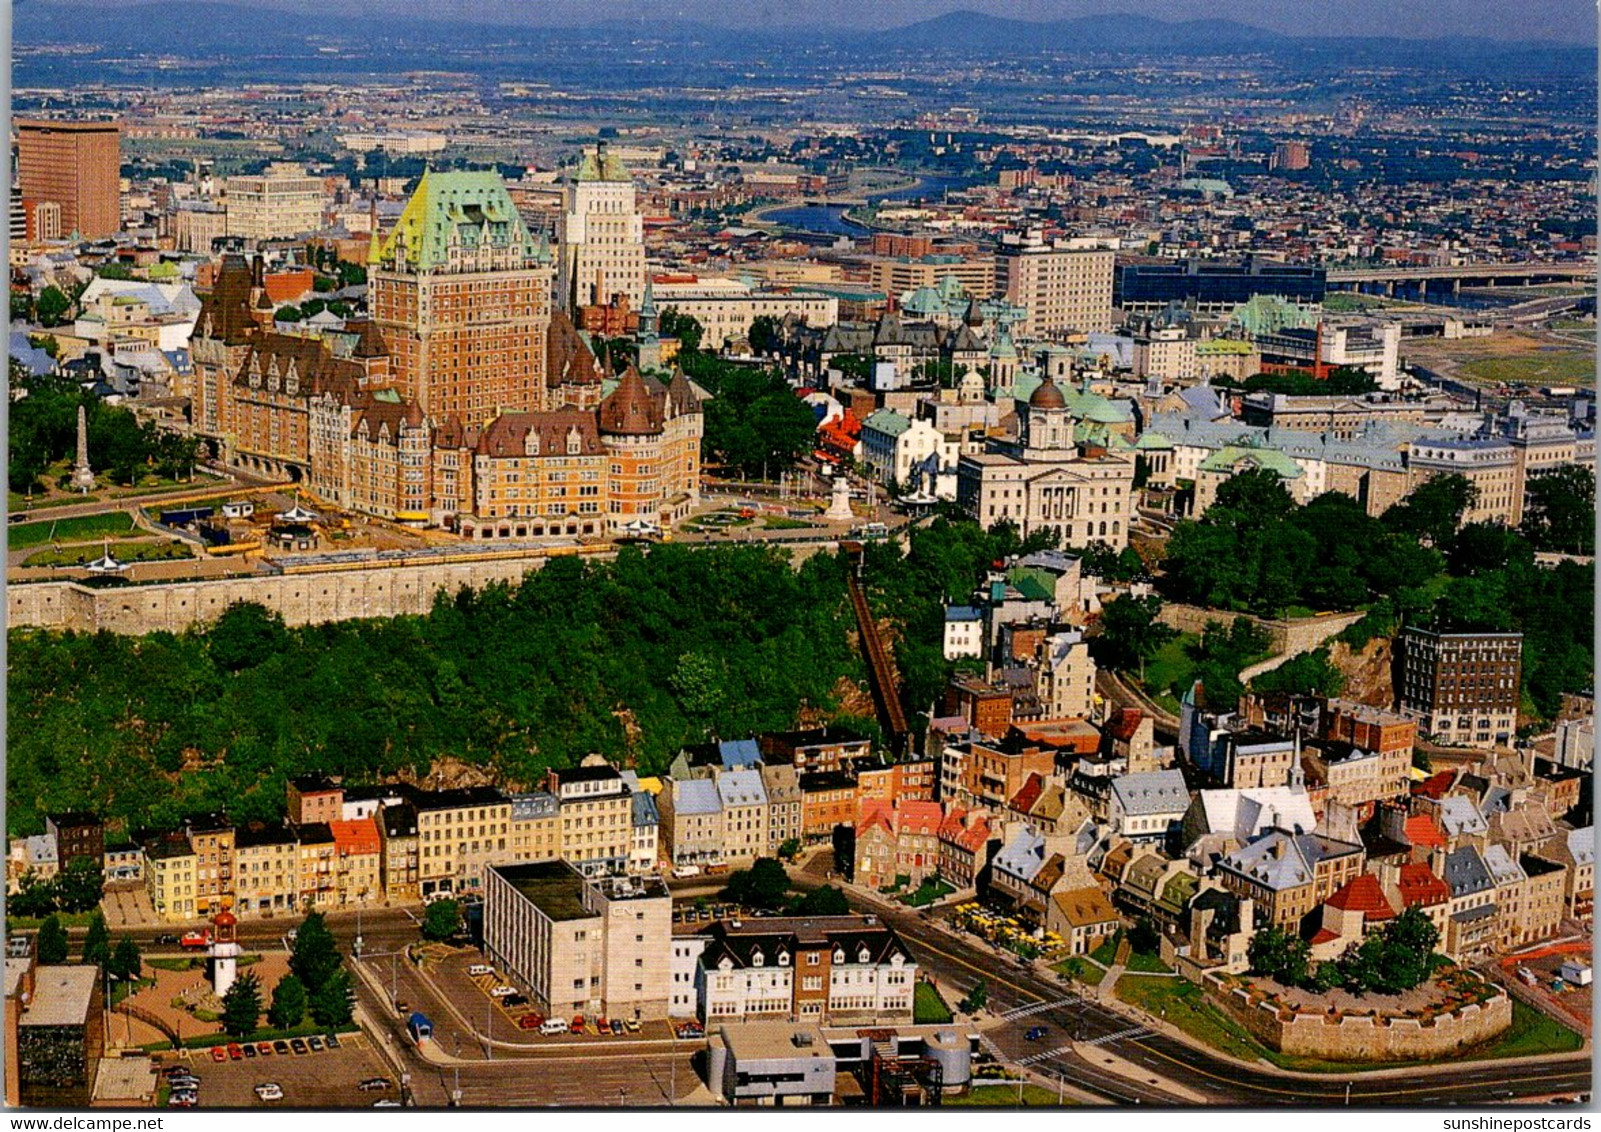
(1131, 1032)
(1037, 1008)
(1036, 1058)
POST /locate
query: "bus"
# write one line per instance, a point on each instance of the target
(871, 530)
(419, 1027)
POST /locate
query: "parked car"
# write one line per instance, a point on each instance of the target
(264, 1049)
(315, 1043)
(502, 991)
(553, 1026)
(192, 941)
(691, 1030)
(684, 871)
(578, 1024)
(166, 937)
(218, 1054)
(186, 1081)
(386, 1103)
(478, 969)
(297, 1044)
(514, 1000)
(183, 1100)
(617, 1027)
(602, 1027)
(331, 1041)
(234, 1052)
(280, 1047)
(402, 1007)
(631, 1025)
(270, 1091)
(531, 1021)
(1035, 1033)
(374, 1084)
(250, 1050)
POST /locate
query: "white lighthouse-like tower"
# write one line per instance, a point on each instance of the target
(224, 952)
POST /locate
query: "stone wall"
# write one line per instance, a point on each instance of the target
(302, 599)
(1365, 1038)
(1287, 638)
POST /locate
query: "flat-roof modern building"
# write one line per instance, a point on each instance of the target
(580, 946)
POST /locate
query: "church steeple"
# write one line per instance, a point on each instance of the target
(650, 346)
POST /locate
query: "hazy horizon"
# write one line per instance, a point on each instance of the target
(1562, 21)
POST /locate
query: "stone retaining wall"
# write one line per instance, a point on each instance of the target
(1365, 1038)
(302, 599)
(1287, 638)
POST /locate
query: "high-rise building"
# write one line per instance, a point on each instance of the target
(461, 292)
(1291, 156)
(76, 165)
(602, 235)
(1462, 688)
(1063, 289)
(280, 202)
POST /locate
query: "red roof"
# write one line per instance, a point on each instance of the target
(1424, 832)
(355, 836)
(1123, 725)
(954, 823)
(1364, 894)
(1030, 793)
(1419, 885)
(914, 815)
(1324, 935)
(874, 811)
(1435, 785)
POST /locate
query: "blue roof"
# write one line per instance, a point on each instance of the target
(696, 796)
(739, 753)
(741, 788)
(1024, 855)
(645, 812)
(962, 613)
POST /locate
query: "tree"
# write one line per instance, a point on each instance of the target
(1307, 673)
(287, 313)
(1559, 510)
(241, 1006)
(763, 336)
(332, 1004)
(789, 850)
(686, 328)
(315, 958)
(975, 998)
(288, 1003)
(1279, 955)
(126, 961)
(80, 885)
(1130, 633)
(34, 897)
(52, 942)
(97, 941)
(1433, 510)
(441, 921)
(825, 901)
(245, 635)
(52, 306)
(764, 885)
(1143, 938)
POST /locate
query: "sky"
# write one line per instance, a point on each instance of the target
(1572, 21)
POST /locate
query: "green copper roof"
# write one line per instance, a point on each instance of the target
(1238, 459)
(887, 421)
(1153, 442)
(598, 165)
(1220, 346)
(470, 209)
(1268, 314)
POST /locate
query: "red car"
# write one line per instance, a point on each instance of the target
(235, 1053)
(264, 1049)
(218, 1054)
(192, 940)
(530, 1021)
(603, 1026)
(578, 1024)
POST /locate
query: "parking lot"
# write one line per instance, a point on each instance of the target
(502, 1015)
(325, 1079)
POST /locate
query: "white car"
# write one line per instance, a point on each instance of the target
(683, 871)
(480, 969)
(502, 991)
(386, 1104)
(271, 1091)
(553, 1026)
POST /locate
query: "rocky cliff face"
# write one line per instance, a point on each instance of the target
(1367, 672)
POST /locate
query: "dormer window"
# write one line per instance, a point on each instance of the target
(783, 959)
(864, 956)
(757, 959)
(839, 955)
(531, 443)
(725, 964)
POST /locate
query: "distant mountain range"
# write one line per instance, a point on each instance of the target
(210, 27)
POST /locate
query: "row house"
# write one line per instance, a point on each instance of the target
(319, 868)
(212, 837)
(1287, 875)
(535, 827)
(267, 870)
(692, 822)
(816, 749)
(1082, 917)
(458, 833)
(170, 878)
(745, 809)
(1472, 928)
(828, 799)
(965, 838)
(830, 970)
(784, 804)
(890, 784)
(400, 865)
(597, 816)
(358, 853)
(897, 841)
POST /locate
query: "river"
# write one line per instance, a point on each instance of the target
(829, 219)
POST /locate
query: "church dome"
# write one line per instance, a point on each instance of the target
(1047, 396)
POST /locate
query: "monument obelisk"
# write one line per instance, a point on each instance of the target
(83, 478)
